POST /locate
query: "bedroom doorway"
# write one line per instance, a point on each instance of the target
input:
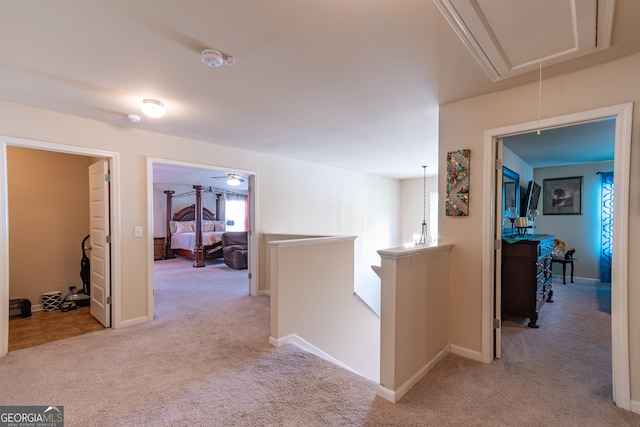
(178, 179)
(619, 285)
(49, 194)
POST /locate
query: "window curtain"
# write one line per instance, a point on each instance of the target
(222, 209)
(606, 185)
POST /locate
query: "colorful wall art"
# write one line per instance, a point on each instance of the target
(457, 202)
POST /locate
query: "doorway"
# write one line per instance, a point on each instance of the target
(199, 174)
(619, 311)
(7, 142)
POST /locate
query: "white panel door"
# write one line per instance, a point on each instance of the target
(100, 277)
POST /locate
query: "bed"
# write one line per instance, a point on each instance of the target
(193, 232)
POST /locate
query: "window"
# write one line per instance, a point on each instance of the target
(236, 214)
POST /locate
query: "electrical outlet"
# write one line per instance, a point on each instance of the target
(137, 231)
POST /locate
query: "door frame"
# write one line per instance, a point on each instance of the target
(116, 249)
(253, 222)
(623, 114)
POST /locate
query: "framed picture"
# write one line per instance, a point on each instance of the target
(562, 196)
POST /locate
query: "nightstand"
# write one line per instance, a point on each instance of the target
(158, 248)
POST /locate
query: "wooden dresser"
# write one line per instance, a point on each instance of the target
(526, 275)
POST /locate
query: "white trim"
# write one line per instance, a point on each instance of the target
(623, 113)
(397, 394)
(133, 322)
(310, 348)
(116, 245)
(398, 253)
(465, 352)
(310, 241)
(635, 406)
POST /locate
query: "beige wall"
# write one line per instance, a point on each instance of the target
(294, 197)
(314, 303)
(414, 323)
(48, 218)
(609, 84)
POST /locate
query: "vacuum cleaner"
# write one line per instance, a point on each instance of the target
(73, 299)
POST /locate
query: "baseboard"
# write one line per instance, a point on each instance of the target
(310, 348)
(130, 322)
(635, 406)
(266, 292)
(465, 352)
(395, 395)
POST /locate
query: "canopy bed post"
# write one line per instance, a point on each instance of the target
(198, 251)
(168, 253)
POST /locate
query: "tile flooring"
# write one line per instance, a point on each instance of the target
(45, 326)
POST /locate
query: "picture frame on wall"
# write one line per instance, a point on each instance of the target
(562, 196)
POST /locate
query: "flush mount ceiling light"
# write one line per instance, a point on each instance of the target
(214, 58)
(153, 108)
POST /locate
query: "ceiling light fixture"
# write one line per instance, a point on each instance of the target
(214, 58)
(153, 108)
(424, 239)
(233, 181)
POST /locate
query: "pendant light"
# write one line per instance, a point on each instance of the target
(423, 234)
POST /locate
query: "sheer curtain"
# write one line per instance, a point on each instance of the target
(606, 195)
(235, 208)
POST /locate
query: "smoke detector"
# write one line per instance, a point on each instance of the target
(213, 58)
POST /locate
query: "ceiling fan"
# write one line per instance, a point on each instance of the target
(232, 179)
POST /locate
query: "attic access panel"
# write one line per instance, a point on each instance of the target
(510, 37)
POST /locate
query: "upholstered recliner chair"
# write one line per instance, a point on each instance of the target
(234, 249)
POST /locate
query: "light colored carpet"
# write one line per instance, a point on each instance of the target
(205, 361)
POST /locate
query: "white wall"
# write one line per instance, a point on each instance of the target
(411, 201)
(320, 200)
(516, 164)
(581, 232)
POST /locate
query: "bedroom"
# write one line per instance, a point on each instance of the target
(224, 206)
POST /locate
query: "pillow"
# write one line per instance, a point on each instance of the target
(184, 227)
(208, 226)
(219, 226)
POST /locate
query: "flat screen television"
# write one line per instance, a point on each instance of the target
(531, 198)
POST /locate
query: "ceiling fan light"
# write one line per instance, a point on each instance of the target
(233, 181)
(153, 108)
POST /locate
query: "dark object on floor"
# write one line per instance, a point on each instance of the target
(85, 268)
(23, 304)
(68, 305)
(234, 249)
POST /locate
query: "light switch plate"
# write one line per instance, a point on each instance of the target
(137, 231)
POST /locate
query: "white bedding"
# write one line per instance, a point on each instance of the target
(188, 240)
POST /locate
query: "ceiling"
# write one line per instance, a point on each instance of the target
(352, 84)
(579, 143)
